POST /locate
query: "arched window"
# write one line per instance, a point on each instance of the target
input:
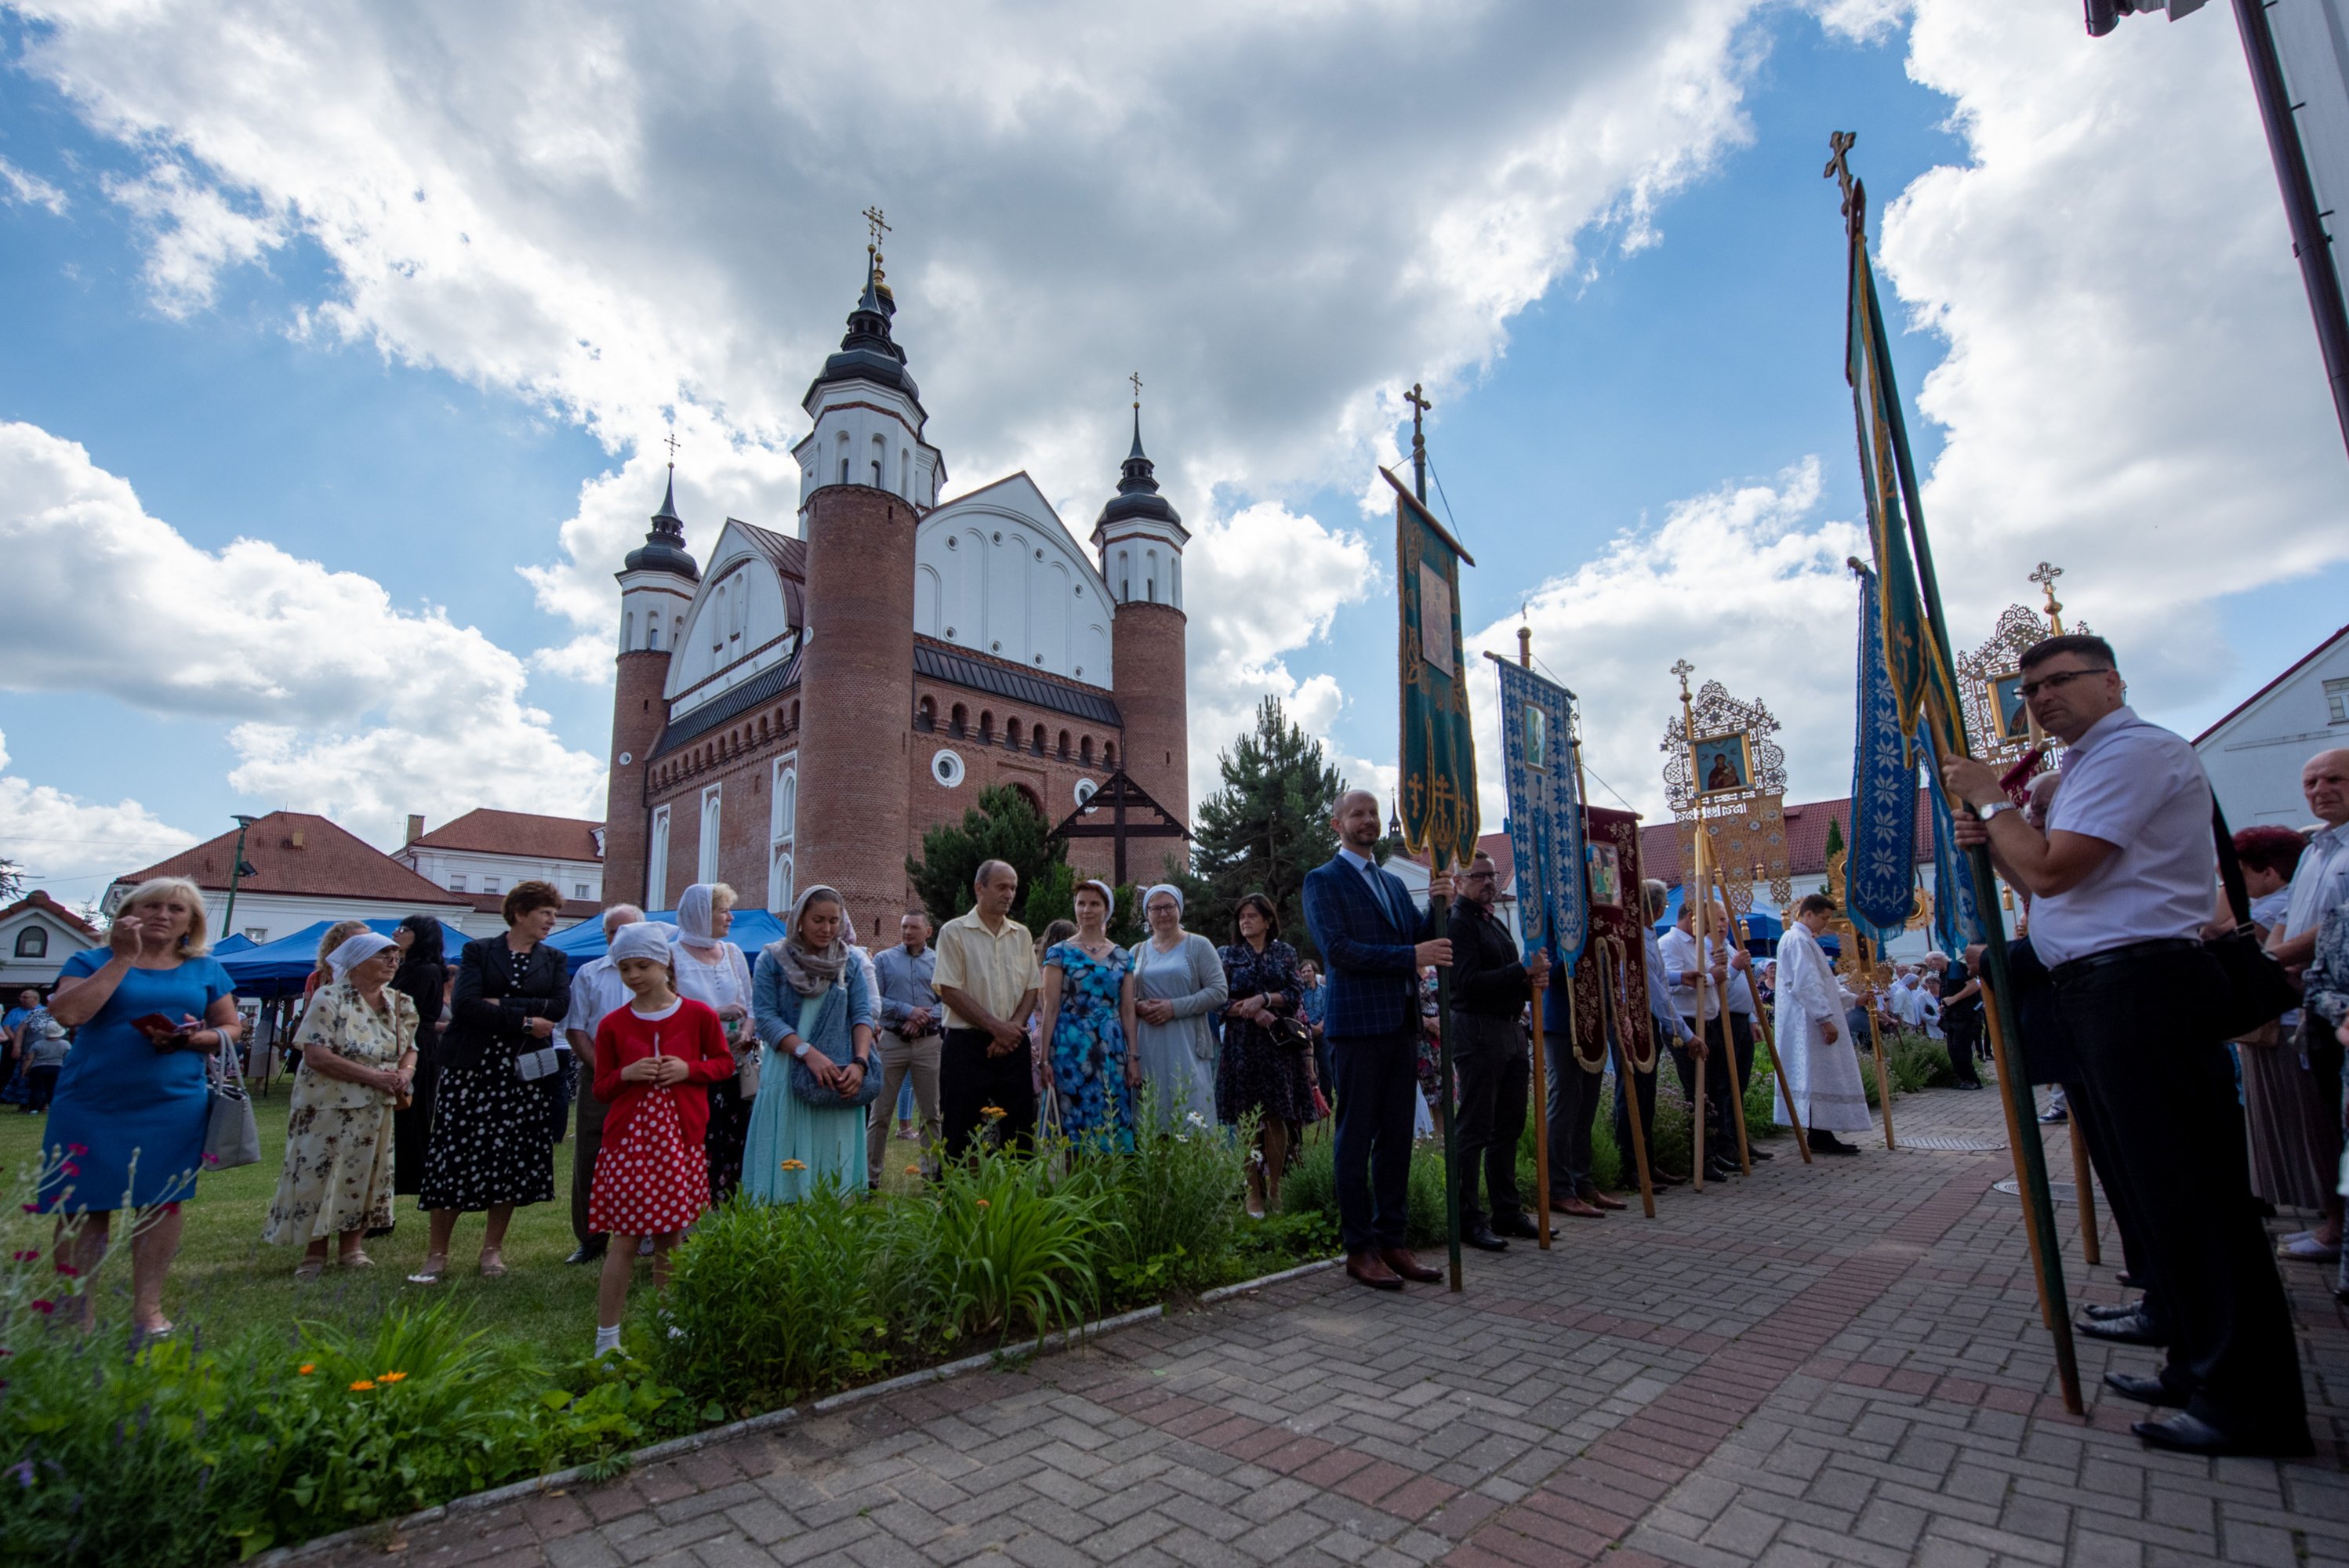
(718, 622)
(1064, 745)
(958, 721)
(627, 631)
(795, 715)
(926, 714)
(1085, 753)
(1037, 742)
(783, 812)
(1109, 753)
(33, 942)
(1011, 733)
(778, 880)
(986, 726)
(676, 631)
(905, 473)
(1125, 576)
(652, 636)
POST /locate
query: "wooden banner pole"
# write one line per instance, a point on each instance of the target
(1541, 1109)
(1715, 878)
(1625, 1084)
(1876, 1038)
(1770, 1043)
(1692, 886)
(2084, 1184)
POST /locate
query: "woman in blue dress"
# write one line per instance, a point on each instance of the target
(1086, 1021)
(810, 1005)
(127, 1128)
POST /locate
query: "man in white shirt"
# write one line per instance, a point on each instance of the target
(2319, 885)
(595, 990)
(2123, 881)
(1694, 986)
(1671, 1031)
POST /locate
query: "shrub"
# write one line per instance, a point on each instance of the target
(1020, 1249)
(1172, 1204)
(1917, 1063)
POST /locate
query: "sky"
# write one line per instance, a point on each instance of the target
(342, 342)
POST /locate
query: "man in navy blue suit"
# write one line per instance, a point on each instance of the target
(1375, 943)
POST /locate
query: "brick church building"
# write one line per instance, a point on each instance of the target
(802, 709)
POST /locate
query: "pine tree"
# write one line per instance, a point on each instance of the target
(1003, 826)
(1264, 828)
(1835, 837)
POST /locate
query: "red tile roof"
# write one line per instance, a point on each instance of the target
(39, 900)
(1806, 838)
(328, 861)
(485, 832)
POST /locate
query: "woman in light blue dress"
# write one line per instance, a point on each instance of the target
(812, 1005)
(1178, 985)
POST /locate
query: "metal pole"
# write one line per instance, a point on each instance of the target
(2310, 242)
(237, 866)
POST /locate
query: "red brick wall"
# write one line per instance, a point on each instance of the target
(1153, 697)
(857, 675)
(638, 712)
(741, 756)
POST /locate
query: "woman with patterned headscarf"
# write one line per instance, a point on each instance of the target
(712, 971)
(1178, 987)
(814, 1010)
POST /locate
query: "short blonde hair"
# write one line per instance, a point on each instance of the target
(198, 940)
(721, 896)
(342, 931)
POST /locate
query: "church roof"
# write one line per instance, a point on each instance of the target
(868, 353)
(765, 686)
(978, 672)
(788, 556)
(1137, 489)
(664, 547)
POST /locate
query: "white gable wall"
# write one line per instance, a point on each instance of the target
(997, 573)
(2254, 758)
(735, 628)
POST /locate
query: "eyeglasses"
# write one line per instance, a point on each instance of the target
(1477, 876)
(2059, 679)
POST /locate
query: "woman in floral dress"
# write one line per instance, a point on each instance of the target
(1258, 1075)
(1087, 1021)
(358, 1053)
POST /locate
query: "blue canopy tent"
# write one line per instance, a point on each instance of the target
(752, 929)
(236, 941)
(1763, 929)
(278, 968)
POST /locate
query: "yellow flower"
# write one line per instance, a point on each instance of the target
(390, 1376)
(363, 1385)
(992, 1112)
(304, 1369)
(794, 1164)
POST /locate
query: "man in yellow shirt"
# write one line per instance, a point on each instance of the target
(988, 980)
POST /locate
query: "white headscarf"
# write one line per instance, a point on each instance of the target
(640, 939)
(355, 951)
(696, 912)
(1170, 890)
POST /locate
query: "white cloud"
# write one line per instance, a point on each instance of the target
(342, 702)
(70, 847)
(194, 234)
(19, 188)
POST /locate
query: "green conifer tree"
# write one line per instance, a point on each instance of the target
(1264, 828)
(1003, 826)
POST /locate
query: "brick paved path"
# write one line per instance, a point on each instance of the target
(1839, 1363)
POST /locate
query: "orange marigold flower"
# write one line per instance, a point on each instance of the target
(992, 1112)
(304, 1369)
(363, 1385)
(982, 1203)
(794, 1164)
(390, 1376)
(913, 1170)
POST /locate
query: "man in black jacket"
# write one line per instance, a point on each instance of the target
(1490, 988)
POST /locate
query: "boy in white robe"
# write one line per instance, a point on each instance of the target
(1822, 1069)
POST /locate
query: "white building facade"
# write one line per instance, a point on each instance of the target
(2254, 754)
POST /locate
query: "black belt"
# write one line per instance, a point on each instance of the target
(2077, 968)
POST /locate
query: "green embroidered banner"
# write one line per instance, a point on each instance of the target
(1438, 799)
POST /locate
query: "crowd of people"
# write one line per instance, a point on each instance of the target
(685, 1072)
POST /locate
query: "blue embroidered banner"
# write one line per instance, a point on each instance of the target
(1956, 921)
(1881, 869)
(1545, 812)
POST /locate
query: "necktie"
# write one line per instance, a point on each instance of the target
(1379, 892)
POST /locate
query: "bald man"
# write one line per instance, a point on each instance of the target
(2319, 886)
(1375, 943)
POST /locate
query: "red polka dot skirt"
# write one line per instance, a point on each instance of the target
(649, 1181)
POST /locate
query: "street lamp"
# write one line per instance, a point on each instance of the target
(237, 870)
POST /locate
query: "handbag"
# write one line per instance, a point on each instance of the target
(1293, 1033)
(803, 1081)
(231, 1137)
(2256, 990)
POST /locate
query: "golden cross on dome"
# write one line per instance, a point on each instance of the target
(2046, 577)
(874, 220)
(1136, 380)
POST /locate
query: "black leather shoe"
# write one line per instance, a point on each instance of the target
(588, 1254)
(2144, 1390)
(2108, 1311)
(2130, 1330)
(1519, 1225)
(1828, 1143)
(1758, 1154)
(2187, 1434)
(1481, 1238)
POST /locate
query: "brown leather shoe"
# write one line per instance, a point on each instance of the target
(1367, 1269)
(1575, 1207)
(1400, 1259)
(1598, 1200)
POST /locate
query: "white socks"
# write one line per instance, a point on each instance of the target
(607, 1339)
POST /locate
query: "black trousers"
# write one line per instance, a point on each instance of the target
(1573, 1111)
(1965, 1034)
(2163, 1096)
(1378, 1081)
(971, 1082)
(587, 1142)
(40, 1085)
(1720, 1129)
(1643, 1084)
(1495, 1076)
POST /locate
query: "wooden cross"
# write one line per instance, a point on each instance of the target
(2046, 577)
(873, 221)
(1136, 380)
(1683, 669)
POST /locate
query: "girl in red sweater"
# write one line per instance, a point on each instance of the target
(653, 1058)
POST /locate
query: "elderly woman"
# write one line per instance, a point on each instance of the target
(492, 1147)
(815, 1011)
(712, 971)
(1085, 1020)
(127, 1128)
(1178, 985)
(359, 1058)
(1260, 1075)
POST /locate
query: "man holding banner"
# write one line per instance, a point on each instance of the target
(1490, 988)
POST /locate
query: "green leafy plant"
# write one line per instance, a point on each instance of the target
(1173, 1202)
(1020, 1249)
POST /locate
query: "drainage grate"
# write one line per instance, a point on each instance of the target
(2059, 1190)
(1953, 1142)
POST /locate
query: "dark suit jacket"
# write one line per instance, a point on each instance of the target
(488, 1015)
(1373, 979)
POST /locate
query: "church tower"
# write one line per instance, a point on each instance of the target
(867, 476)
(1141, 539)
(657, 586)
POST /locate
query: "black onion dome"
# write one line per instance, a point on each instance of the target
(1137, 488)
(664, 547)
(867, 352)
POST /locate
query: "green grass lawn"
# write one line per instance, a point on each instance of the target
(227, 1280)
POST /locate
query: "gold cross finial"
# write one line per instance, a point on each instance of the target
(873, 221)
(1683, 669)
(1136, 380)
(1838, 168)
(2046, 577)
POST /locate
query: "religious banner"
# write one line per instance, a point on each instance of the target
(1545, 821)
(1438, 804)
(1882, 864)
(1729, 783)
(1612, 987)
(1956, 920)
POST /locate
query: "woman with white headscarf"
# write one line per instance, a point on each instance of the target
(358, 1061)
(815, 1011)
(712, 971)
(1178, 986)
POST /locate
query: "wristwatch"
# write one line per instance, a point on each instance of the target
(1984, 813)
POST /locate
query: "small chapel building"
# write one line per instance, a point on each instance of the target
(800, 711)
